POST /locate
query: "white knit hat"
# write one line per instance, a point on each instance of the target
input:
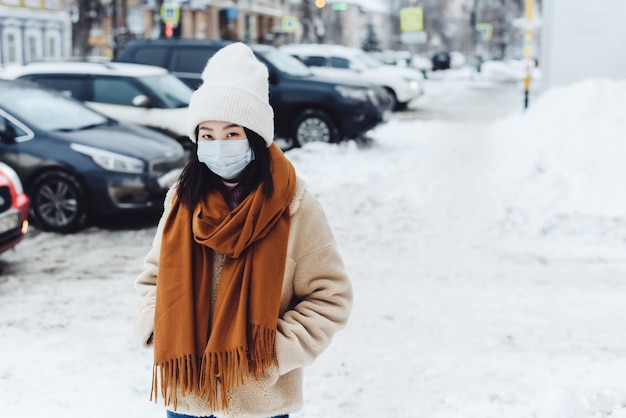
(235, 88)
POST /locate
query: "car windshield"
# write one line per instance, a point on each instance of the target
(286, 63)
(170, 89)
(50, 112)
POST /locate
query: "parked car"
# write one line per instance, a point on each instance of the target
(404, 84)
(422, 63)
(13, 209)
(145, 95)
(457, 59)
(392, 57)
(306, 108)
(77, 164)
(441, 61)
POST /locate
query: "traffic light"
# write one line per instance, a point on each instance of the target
(320, 3)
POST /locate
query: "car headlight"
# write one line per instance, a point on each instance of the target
(413, 84)
(354, 93)
(15, 179)
(110, 160)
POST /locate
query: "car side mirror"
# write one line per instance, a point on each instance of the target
(141, 101)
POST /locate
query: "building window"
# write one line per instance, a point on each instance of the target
(33, 48)
(53, 45)
(12, 46)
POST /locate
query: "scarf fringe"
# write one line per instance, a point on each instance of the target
(217, 373)
(264, 344)
(180, 372)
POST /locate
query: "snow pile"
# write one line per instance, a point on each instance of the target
(561, 161)
(504, 71)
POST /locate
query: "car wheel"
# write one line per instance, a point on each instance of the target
(401, 106)
(58, 202)
(314, 126)
(393, 99)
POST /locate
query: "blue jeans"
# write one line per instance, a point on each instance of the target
(171, 414)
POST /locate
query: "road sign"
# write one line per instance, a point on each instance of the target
(485, 31)
(411, 19)
(170, 13)
(289, 24)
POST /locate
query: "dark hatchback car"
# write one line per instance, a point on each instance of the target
(77, 164)
(306, 108)
(13, 209)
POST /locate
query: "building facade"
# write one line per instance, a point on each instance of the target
(32, 30)
(245, 20)
(262, 21)
(347, 23)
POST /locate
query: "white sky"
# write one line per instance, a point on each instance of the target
(487, 258)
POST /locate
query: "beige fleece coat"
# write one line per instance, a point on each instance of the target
(315, 303)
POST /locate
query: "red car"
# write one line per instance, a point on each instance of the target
(14, 206)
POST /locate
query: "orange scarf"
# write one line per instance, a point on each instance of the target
(191, 354)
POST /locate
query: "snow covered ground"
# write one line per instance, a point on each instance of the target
(486, 246)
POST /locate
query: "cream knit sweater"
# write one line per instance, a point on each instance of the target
(315, 303)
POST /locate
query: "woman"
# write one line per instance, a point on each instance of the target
(243, 285)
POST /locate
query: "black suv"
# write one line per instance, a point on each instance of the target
(306, 108)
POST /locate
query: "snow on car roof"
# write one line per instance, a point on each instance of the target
(80, 67)
(324, 49)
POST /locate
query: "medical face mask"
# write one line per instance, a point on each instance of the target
(226, 158)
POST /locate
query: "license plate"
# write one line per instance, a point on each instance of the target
(9, 221)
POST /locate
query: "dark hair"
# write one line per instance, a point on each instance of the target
(196, 180)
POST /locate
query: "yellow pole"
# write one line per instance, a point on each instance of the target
(528, 39)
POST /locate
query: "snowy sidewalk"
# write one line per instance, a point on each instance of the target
(487, 284)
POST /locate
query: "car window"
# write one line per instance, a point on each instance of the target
(173, 92)
(8, 126)
(368, 61)
(115, 90)
(75, 86)
(338, 62)
(191, 60)
(49, 111)
(151, 56)
(315, 61)
(286, 63)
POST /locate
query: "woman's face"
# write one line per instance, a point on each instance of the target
(211, 130)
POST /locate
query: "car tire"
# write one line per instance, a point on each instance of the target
(314, 126)
(58, 202)
(393, 99)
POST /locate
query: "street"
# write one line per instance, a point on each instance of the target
(456, 100)
(472, 299)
